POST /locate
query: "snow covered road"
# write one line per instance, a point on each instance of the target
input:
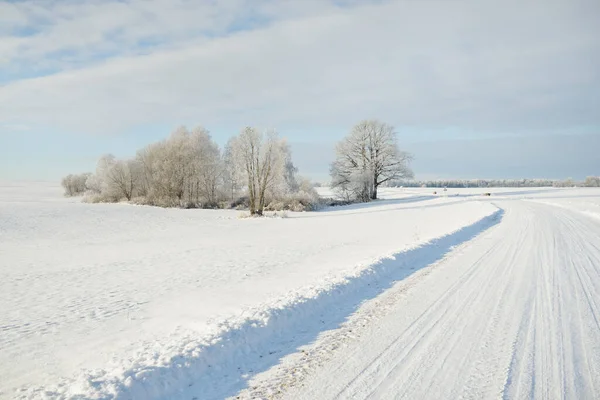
(513, 314)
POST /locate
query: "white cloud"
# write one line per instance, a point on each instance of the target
(430, 64)
(72, 32)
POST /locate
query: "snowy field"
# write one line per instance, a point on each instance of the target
(132, 302)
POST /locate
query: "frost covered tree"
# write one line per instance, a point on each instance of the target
(569, 182)
(368, 158)
(74, 184)
(184, 169)
(261, 157)
(232, 176)
(290, 170)
(117, 179)
(206, 170)
(592, 181)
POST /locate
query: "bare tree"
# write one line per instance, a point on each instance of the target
(177, 162)
(261, 157)
(232, 176)
(206, 166)
(290, 173)
(118, 177)
(371, 149)
(162, 178)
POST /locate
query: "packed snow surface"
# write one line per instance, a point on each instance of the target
(131, 302)
(512, 314)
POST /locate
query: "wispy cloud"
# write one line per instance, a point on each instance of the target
(65, 34)
(473, 65)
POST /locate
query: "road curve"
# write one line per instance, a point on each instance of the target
(513, 314)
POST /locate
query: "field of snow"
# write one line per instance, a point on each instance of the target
(122, 301)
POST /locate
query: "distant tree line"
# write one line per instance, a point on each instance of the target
(188, 169)
(590, 181)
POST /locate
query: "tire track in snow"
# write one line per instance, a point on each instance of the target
(416, 336)
(512, 317)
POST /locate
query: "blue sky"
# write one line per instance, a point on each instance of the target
(475, 89)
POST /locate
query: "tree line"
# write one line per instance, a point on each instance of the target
(188, 169)
(255, 171)
(590, 181)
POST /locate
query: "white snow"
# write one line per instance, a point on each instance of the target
(120, 289)
(513, 313)
(584, 200)
(121, 301)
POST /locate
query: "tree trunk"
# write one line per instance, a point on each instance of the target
(251, 194)
(261, 203)
(374, 193)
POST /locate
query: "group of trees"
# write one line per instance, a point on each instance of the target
(254, 170)
(188, 169)
(592, 181)
(366, 159)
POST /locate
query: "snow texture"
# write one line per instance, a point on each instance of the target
(130, 302)
(512, 314)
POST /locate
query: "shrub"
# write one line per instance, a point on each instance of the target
(75, 185)
(240, 203)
